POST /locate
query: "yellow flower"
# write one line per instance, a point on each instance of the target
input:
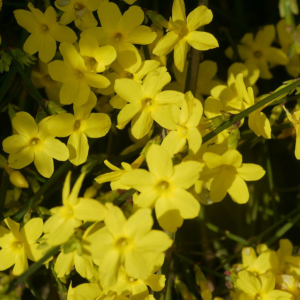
(187, 119)
(136, 288)
(41, 79)
(79, 11)
(96, 58)
(287, 42)
(114, 177)
(19, 245)
(205, 80)
(258, 122)
(227, 173)
(79, 126)
(259, 288)
(164, 187)
(66, 218)
(121, 69)
(130, 2)
(295, 119)
(33, 143)
(122, 32)
(147, 102)
(77, 79)
(45, 31)
(259, 50)
(183, 32)
(82, 261)
(130, 243)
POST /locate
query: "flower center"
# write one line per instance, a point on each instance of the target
(182, 130)
(77, 125)
(129, 75)
(118, 37)
(123, 244)
(90, 62)
(148, 102)
(162, 186)
(258, 297)
(34, 141)
(78, 7)
(132, 279)
(45, 28)
(257, 54)
(79, 74)
(18, 245)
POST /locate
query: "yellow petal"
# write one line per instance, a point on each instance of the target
(159, 162)
(32, 230)
(212, 107)
(220, 185)
(109, 15)
(156, 282)
(199, 17)
(97, 125)
(133, 226)
(33, 43)
(63, 34)
(168, 216)
(21, 159)
(21, 264)
(84, 266)
(265, 36)
(166, 44)
(232, 158)
(7, 259)
(195, 139)
(64, 264)
(126, 114)
(89, 210)
(238, 190)
(248, 256)
(15, 143)
(105, 55)
(141, 35)
(141, 124)
(251, 172)
(146, 199)
(173, 142)
(72, 58)
(186, 174)
(117, 102)
(187, 205)
(73, 197)
(155, 241)
(155, 81)
(76, 92)
(56, 149)
(47, 48)
(163, 116)
(96, 80)
(132, 18)
(59, 72)
(141, 180)
(202, 40)
(115, 220)
(248, 283)
(180, 52)
(276, 56)
(43, 163)
(78, 148)
(178, 11)
(26, 19)
(109, 268)
(50, 15)
(24, 124)
(129, 90)
(61, 125)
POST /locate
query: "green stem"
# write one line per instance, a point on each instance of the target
(33, 268)
(121, 199)
(146, 52)
(167, 267)
(208, 270)
(9, 79)
(229, 235)
(59, 172)
(28, 82)
(3, 188)
(62, 288)
(249, 110)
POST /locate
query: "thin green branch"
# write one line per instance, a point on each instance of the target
(28, 82)
(59, 172)
(249, 110)
(33, 268)
(121, 199)
(62, 288)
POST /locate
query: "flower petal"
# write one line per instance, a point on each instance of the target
(115, 220)
(202, 40)
(21, 264)
(25, 124)
(75, 91)
(32, 230)
(63, 34)
(129, 90)
(178, 11)
(43, 163)
(155, 241)
(276, 56)
(180, 52)
(251, 172)
(186, 174)
(26, 20)
(199, 17)
(187, 205)
(59, 72)
(159, 162)
(56, 149)
(141, 180)
(141, 124)
(238, 190)
(220, 185)
(141, 35)
(15, 143)
(64, 264)
(7, 258)
(89, 210)
(195, 139)
(163, 116)
(166, 44)
(97, 125)
(110, 16)
(110, 266)
(265, 36)
(173, 142)
(96, 80)
(146, 199)
(78, 148)
(84, 266)
(61, 125)
(21, 159)
(132, 18)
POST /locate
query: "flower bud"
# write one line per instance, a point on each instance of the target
(90, 192)
(18, 180)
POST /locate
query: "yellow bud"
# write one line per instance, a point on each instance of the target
(18, 180)
(90, 192)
